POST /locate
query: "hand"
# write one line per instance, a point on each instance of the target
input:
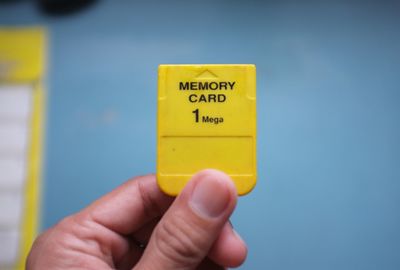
(136, 226)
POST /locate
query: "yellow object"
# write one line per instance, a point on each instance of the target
(206, 119)
(22, 67)
(22, 56)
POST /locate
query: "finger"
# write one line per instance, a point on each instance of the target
(143, 234)
(129, 258)
(130, 206)
(184, 236)
(208, 264)
(229, 249)
(121, 212)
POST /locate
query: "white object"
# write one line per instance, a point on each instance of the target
(9, 242)
(13, 139)
(12, 172)
(15, 101)
(11, 209)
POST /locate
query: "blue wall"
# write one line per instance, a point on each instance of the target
(328, 195)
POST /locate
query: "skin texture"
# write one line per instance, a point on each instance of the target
(136, 226)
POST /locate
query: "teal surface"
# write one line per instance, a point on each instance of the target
(328, 194)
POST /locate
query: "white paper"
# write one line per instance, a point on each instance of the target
(11, 203)
(9, 240)
(12, 172)
(15, 101)
(13, 139)
(15, 121)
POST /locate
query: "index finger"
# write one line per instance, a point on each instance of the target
(130, 206)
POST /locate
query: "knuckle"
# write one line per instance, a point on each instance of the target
(68, 233)
(179, 241)
(66, 223)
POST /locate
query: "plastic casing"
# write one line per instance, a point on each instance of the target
(196, 131)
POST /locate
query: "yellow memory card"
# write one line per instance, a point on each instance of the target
(206, 119)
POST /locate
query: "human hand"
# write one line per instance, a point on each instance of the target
(137, 227)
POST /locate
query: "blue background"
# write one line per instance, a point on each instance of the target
(328, 194)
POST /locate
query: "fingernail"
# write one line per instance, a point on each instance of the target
(210, 197)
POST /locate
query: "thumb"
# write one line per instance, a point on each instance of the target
(184, 236)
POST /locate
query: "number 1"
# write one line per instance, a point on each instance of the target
(196, 113)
